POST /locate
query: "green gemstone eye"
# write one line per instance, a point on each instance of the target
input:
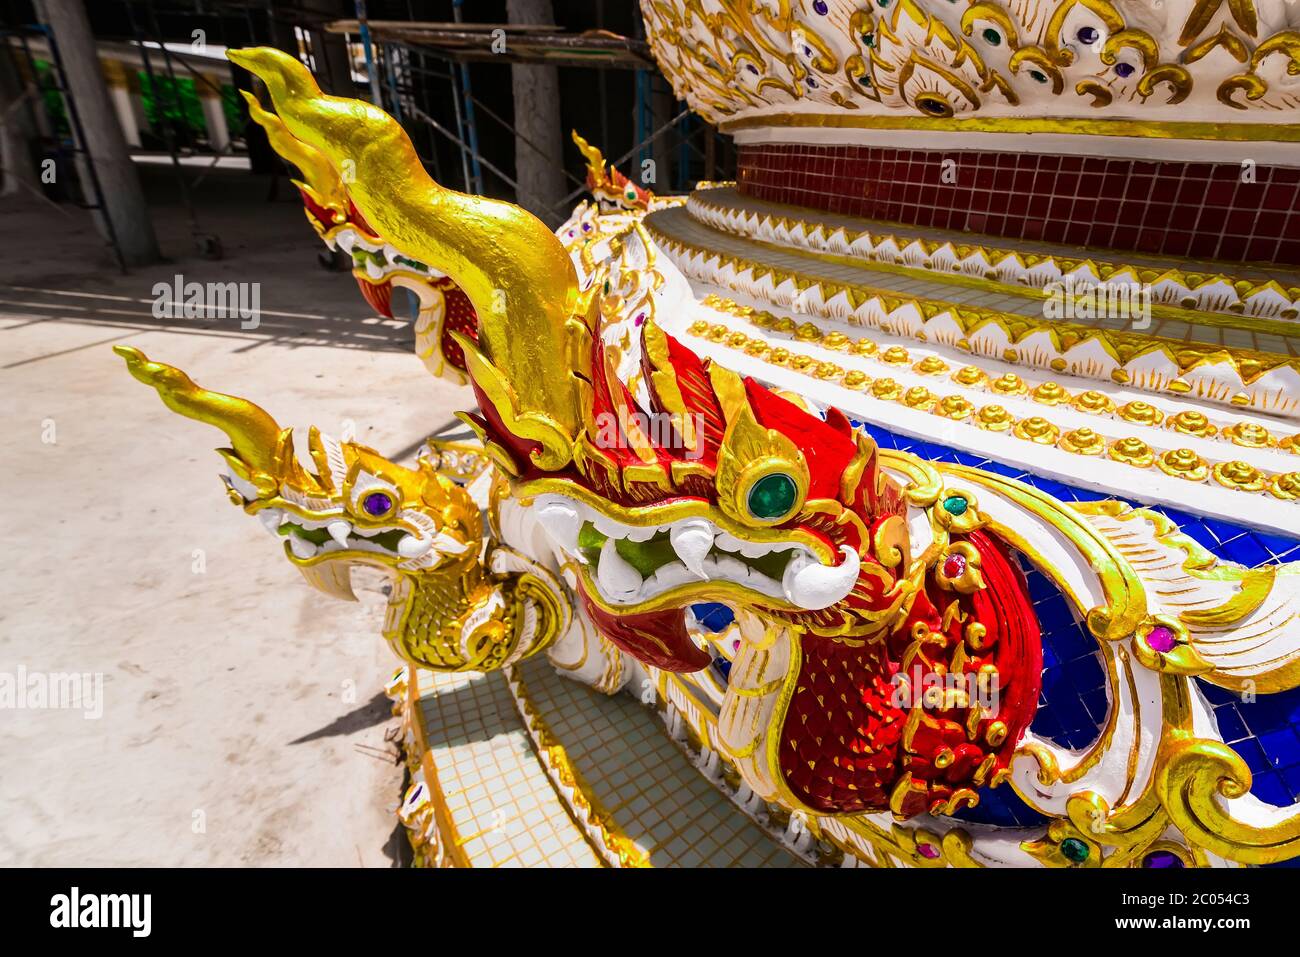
(772, 496)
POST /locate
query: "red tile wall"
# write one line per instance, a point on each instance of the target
(1196, 210)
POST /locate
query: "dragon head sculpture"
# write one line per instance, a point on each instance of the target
(447, 611)
(377, 266)
(610, 188)
(700, 485)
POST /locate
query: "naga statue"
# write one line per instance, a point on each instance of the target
(894, 615)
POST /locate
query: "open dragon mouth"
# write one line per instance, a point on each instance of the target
(633, 569)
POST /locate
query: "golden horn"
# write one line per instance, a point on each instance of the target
(513, 269)
(320, 178)
(254, 436)
(594, 157)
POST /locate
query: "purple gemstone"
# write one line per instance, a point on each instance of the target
(1161, 639)
(377, 503)
(1124, 70)
(1162, 859)
(927, 850)
(1088, 36)
(820, 7)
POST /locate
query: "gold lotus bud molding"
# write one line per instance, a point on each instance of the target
(1133, 451)
(1094, 402)
(1240, 476)
(1083, 441)
(970, 376)
(1009, 384)
(1037, 429)
(886, 389)
(1249, 435)
(1191, 422)
(919, 397)
(856, 379)
(896, 355)
(1142, 413)
(1184, 464)
(863, 347)
(994, 418)
(931, 365)
(1050, 393)
(955, 407)
(1287, 486)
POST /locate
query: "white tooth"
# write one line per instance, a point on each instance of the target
(640, 534)
(607, 526)
(618, 579)
(374, 271)
(271, 518)
(731, 543)
(810, 584)
(412, 547)
(447, 545)
(300, 547)
(338, 530)
(346, 239)
(246, 489)
(733, 569)
(692, 540)
(668, 576)
(561, 521)
(727, 542)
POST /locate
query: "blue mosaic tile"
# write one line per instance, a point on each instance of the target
(1266, 733)
(1074, 700)
(713, 616)
(1000, 806)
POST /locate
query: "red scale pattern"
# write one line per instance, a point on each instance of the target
(844, 747)
(1202, 211)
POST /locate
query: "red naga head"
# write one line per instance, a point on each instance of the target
(712, 487)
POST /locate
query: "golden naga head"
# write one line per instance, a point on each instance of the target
(610, 187)
(516, 273)
(357, 507)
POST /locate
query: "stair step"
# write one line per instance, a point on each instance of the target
(639, 780)
(502, 808)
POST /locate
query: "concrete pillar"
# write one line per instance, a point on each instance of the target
(120, 191)
(214, 115)
(539, 143)
(18, 106)
(119, 91)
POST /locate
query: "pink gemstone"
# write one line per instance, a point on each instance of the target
(1161, 639)
(927, 850)
(954, 565)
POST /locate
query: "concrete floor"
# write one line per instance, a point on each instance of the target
(243, 718)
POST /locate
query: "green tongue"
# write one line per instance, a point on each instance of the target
(646, 557)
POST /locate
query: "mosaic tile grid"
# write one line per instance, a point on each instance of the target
(640, 777)
(1200, 210)
(678, 224)
(502, 804)
(729, 198)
